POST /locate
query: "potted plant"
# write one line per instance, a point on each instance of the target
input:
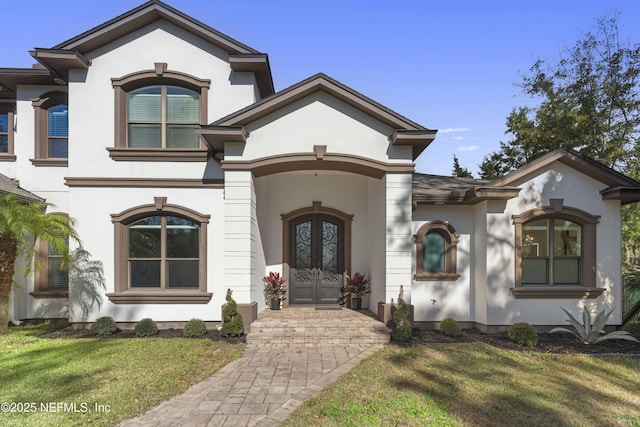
(274, 290)
(356, 288)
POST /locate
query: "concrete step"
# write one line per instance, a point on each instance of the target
(308, 326)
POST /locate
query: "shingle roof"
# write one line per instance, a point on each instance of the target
(11, 186)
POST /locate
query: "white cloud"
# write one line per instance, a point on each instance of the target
(469, 148)
(448, 130)
(458, 138)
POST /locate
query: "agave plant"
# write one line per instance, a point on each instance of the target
(593, 334)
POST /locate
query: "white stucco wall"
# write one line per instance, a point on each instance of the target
(556, 181)
(436, 300)
(320, 119)
(91, 96)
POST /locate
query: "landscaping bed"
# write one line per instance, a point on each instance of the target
(557, 343)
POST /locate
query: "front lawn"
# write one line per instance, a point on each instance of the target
(473, 384)
(97, 381)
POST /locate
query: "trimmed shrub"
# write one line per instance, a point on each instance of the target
(633, 328)
(195, 328)
(403, 329)
(450, 327)
(233, 325)
(104, 326)
(146, 328)
(523, 334)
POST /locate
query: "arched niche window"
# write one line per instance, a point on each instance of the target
(160, 255)
(157, 112)
(436, 252)
(555, 252)
(51, 130)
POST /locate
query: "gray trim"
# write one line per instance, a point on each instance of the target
(109, 182)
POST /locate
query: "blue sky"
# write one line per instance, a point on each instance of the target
(448, 65)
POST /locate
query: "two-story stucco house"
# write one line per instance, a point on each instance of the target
(189, 175)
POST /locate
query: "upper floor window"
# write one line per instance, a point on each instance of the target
(163, 117)
(160, 255)
(157, 112)
(51, 130)
(58, 130)
(555, 251)
(436, 252)
(6, 135)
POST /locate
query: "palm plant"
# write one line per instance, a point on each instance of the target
(593, 334)
(20, 225)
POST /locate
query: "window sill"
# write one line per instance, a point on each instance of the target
(4, 157)
(158, 154)
(160, 297)
(434, 277)
(557, 291)
(51, 293)
(50, 162)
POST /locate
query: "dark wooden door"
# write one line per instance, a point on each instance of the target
(316, 259)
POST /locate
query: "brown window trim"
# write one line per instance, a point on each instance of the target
(451, 239)
(41, 275)
(122, 293)
(9, 156)
(41, 150)
(158, 76)
(587, 289)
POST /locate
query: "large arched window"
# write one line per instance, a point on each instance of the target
(156, 114)
(51, 130)
(160, 255)
(555, 253)
(436, 252)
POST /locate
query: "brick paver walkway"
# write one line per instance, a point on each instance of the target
(262, 387)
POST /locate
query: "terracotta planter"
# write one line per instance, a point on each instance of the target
(275, 303)
(356, 303)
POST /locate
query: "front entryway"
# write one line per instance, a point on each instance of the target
(316, 259)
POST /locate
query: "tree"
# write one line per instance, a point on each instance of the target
(20, 225)
(459, 171)
(589, 102)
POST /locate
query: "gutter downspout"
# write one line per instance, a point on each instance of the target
(12, 310)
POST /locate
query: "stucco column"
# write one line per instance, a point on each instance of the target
(398, 235)
(239, 235)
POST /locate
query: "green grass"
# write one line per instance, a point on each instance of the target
(472, 384)
(128, 375)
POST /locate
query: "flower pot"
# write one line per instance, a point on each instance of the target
(275, 303)
(356, 303)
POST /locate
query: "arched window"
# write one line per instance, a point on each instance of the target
(555, 253)
(58, 131)
(160, 255)
(436, 252)
(157, 112)
(51, 129)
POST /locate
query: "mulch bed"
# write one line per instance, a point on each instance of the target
(558, 343)
(69, 332)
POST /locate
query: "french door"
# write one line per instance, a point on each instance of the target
(316, 259)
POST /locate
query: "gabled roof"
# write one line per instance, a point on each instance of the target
(406, 131)
(57, 60)
(621, 187)
(145, 14)
(11, 186)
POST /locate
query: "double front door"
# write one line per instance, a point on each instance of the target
(316, 259)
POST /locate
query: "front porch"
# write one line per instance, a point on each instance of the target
(309, 326)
